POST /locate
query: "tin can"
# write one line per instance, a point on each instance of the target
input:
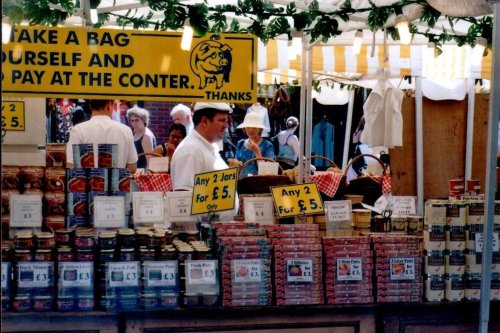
(454, 288)
(415, 225)
(435, 262)
(475, 213)
(55, 155)
(456, 188)
(472, 286)
(398, 224)
(472, 186)
(456, 214)
(455, 238)
(435, 213)
(455, 262)
(435, 237)
(434, 288)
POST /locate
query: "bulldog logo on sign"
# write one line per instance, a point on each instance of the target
(211, 62)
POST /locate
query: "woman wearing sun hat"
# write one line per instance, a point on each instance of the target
(254, 146)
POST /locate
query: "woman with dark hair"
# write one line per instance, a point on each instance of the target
(176, 133)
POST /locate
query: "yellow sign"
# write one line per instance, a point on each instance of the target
(128, 64)
(292, 200)
(214, 191)
(13, 116)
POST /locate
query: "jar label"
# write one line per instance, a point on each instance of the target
(6, 275)
(349, 269)
(201, 272)
(160, 274)
(123, 274)
(402, 268)
(299, 270)
(246, 270)
(76, 274)
(35, 275)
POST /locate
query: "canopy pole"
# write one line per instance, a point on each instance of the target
(348, 125)
(420, 145)
(484, 309)
(470, 129)
(303, 89)
(309, 114)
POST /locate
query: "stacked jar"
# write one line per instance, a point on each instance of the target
(6, 276)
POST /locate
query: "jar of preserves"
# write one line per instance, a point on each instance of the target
(23, 240)
(23, 255)
(65, 254)
(84, 239)
(107, 240)
(127, 254)
(42, 303)
(64, 237)
(126, 237)
(44, 240)
(106, 255)
(84, 254)
(21, 303)
(43, 255)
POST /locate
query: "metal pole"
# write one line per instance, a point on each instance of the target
(470, 129)
(420, 145)
(309, 113)
(348, 125)
(490, 176)
(302, 118)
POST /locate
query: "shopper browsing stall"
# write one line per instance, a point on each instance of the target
(144, 139)
(102, 129)
(181, 114)
(288, 144)
(254, 146)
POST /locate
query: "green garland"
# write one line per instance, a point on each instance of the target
(267, 21)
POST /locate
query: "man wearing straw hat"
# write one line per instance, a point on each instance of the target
(198, 152)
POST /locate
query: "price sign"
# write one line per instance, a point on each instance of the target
(349, 269)
(6, 271)
(202, 272)
(480, 242)
(109, 212)
(403, 206)
(246, 270)
(299, 270)
(259, 209)
(267, 168)
(76, 274)
(402, 268)
(148, 207)
(214, 191)
(160, 274)
(25, 210)
(123, 274)
(298, 199)
(179, 206)
(35, 275)
(13, 116)
(337, 211)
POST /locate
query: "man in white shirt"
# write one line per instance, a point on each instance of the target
(101, 129)
(198, 152)
(181, 114)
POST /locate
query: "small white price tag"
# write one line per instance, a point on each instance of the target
(123, 274)
(349, 269)
(404, 205)
(158, 164)
(148, 207)
(259, 209)
(201, 272)
(160, 274)
(76, 274)
(246, 270)
(34, 275)
(179, 206)
(25, 210)
(109, 212)
(339, 210)
(6, 271)
(299, 270)
(480, 242)
(402, 268)
(267, 168)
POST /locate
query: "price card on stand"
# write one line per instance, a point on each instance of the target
(13, 116)
(148, 207)
(6, 275)
(76, 274)
(404, 205)
(479, 240)
(339, 210)
(25, 210)
(35, 274)
(292, 200)
(246, 270)
(349, 269)
(299, 270)
(123, 274)
(201, 272)
(259, 209)
(160, 273)
(402, 268)
(109, 212)
(179, 206)
(214, 191)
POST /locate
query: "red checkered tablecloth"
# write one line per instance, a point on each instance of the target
(327, 182)
(386, 183)
(155, 182)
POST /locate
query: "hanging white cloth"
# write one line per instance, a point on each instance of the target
(262, 111)
(382, 112)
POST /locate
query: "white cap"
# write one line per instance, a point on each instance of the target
(252, 119)
(181, 108)
(223, 107)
